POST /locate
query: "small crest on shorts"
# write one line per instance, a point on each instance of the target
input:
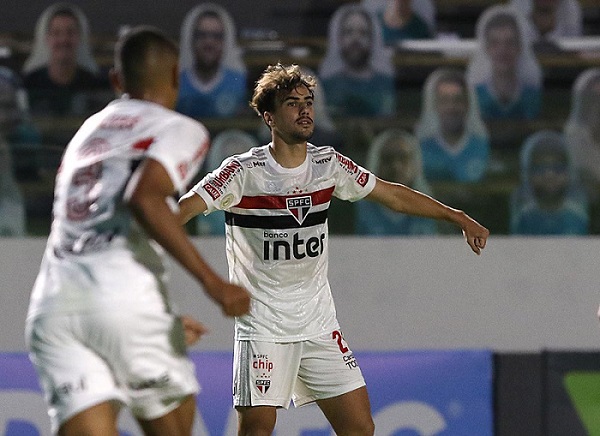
(263, 385)
(299, 207)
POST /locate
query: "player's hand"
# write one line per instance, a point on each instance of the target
(193, 330)
(235, 300)
(475, 234)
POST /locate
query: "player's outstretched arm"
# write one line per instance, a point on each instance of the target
(147, 195)
(403, 199)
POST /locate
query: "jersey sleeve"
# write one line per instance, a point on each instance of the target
(221, 189)
(180, 147)
(353, 182)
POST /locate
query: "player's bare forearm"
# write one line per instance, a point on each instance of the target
(402, 199)
(154, 214)
(148, 203)
(160, 222)
(190, 205)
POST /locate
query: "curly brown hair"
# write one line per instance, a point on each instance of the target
(275, 83)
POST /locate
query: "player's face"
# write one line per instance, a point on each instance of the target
(451, 105)
(63, 38)
(208, 42)
(503, 48)
(293, 117)
(355, 39)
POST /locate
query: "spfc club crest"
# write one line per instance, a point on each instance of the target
(299, 207)
(263, 385)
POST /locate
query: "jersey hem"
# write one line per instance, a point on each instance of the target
(284, 339)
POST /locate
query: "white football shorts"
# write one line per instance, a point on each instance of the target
(273, 374)
(136, 359)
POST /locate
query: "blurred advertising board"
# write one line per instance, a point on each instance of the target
(412, 393)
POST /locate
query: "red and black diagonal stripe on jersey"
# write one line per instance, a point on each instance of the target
(283, 217)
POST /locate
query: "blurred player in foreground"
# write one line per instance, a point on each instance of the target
(275, 199)
(100, 328)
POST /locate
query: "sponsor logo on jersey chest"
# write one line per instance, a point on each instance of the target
(276, 247)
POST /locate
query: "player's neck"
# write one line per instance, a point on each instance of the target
(153, 97)
(288, 155)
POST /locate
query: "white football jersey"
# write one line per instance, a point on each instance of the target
(97, 256)
(277, 238)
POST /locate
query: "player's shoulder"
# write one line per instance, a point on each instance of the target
(320, 154)
(256, 157)
(238, 165)
(184, 122)
(149, 115)
(325, 155)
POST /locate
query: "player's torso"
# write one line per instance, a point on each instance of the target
(277, 243)
(283, 215)
(98, 257)
(99, 161)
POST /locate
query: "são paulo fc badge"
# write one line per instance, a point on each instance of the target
(263, 385)
(299, 207)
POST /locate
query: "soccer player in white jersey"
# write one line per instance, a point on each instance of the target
(100, 328)
(275, 198)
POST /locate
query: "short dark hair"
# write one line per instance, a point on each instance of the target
(132, 49)
(276, 81)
